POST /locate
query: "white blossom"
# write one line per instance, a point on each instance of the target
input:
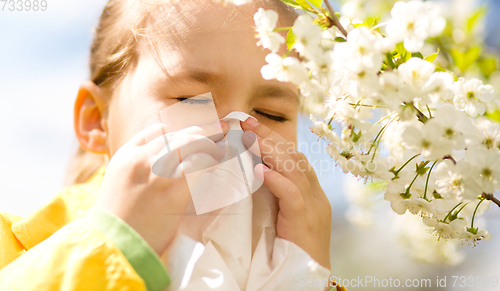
(307, 36)
(470, 237)
(311, 87)
(413, 22)
(415, 73)
(287, 69)
(360, 53)
(344, 113)
(486, 167)
(446, 230)
(265, 23)
(490, 133)
(471, 96)
(455, 126)
(418, 206)
(456, 180)
(321, 129)
(437, 21)
(403, 121)
(426, 139)
(439, 87)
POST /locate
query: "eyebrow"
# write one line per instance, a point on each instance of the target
(215, 78)
(276, 91)
(196, 76)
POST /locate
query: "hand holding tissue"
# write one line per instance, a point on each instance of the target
(227, 237)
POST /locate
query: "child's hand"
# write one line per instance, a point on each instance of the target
(151, 204)
(305, 214)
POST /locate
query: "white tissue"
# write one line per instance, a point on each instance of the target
(241, 251)
(234, 178)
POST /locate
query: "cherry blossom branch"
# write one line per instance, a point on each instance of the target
(335, 19)
(449, 157)
(491, 198)
(421, 116)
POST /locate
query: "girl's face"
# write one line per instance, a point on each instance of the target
(213, 50)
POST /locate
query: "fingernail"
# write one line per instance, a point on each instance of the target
(259, 172)
(252, 121)
(217, 123)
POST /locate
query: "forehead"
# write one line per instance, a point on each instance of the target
(207, 24)
(206, 36)
(186, 21)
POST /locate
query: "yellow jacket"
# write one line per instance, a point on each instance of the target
(69, 245)
(59, 247)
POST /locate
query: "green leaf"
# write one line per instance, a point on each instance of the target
(316, 3)
(472, 55)
(402, 54)
(440, 69)
(292, 3)
(417, 55)
(283, 28)
(432, 58)
(389, 60)
(340, 39)
(494, 115)
(488, 65)
(359, 24)
(463, 60)
(290, 39)
(305, 5)
(372, 21)
(476, 18)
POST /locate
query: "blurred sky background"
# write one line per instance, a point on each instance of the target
(43, 59)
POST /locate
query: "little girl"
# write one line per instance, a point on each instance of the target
(122, 228)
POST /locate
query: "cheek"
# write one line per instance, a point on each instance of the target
(126, 118)
(287, 130)
(119, 131)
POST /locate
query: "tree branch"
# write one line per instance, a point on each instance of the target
(335, 19)
(449, 157)
(491, 198)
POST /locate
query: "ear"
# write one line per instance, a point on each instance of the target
(89, 122)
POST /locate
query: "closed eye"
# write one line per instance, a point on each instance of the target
(276, 118)
(200, 101)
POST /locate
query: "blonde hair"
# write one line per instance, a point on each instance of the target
(122, 27)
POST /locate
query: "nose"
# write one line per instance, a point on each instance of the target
(236, 100)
